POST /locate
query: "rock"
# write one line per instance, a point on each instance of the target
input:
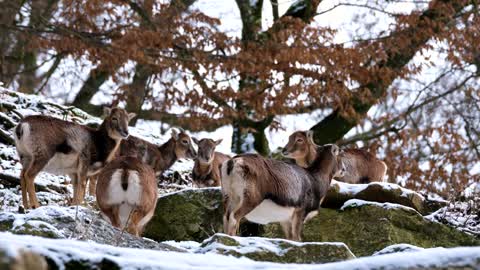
(340, 192)
(59, 222)
(397, 249)
(366, 227)
(275, 250)
(192, 214)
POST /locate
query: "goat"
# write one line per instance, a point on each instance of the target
(359, 166)
(64, 148)
(160, 158)
(206, 170)
(127, 194)
(267, 190)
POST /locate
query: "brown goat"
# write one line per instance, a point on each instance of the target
(206, 171)
(127, 194)
(60, 147)
(359, 166)
(160, 158)
(266, 190)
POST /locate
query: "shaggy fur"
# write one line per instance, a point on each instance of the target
(60, 147)
(127, 194)
(267, 190)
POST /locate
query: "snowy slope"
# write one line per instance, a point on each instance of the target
(63, 251)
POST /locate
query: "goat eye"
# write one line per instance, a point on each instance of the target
(185, 142)
(300, 140)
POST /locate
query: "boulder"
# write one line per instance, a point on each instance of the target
(367, 227)
(60, 223)
(340, 192)
(192, 214)
(275, 250)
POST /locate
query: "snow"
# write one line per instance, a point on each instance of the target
(398, 248)
(429, 258)
(472, 191)
(358, 203)
(256, 244)
(64, 250)
(357, 188)
(185, 245)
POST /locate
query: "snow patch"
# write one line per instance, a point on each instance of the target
(358, 203)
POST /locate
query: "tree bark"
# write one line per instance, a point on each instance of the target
(96, 78)
(251, 26)
(137, 90)
(401, 47)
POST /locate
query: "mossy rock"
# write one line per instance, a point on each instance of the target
(370, 227)
(59, 222)
(340, 192)
(187, 215)
(6, 221)
(276, 250)
(37, 228)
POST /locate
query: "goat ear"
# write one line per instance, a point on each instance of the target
(219, 141)
(131, 116)
(310, 136)
(174, 134)
(335, 150)
(195, 140)
(106, 111)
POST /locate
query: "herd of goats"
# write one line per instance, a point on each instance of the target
(123, 170)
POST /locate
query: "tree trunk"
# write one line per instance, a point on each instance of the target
(242, 138)
(96, 78)
(251, 14)
(137, 90)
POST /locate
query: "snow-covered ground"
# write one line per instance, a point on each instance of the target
(62, 251)
(464, 213)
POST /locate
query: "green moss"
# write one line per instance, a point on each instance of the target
(6, 222)
(369, 228)
(37, 230)
(285, 251)
(222, 239)
(187, 215)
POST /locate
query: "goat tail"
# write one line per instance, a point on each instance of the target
(22, 130)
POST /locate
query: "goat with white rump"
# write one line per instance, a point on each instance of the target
(160, 158)
(64, 148)
(127, 194)
(266, 190)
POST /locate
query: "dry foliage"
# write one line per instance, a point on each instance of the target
(427, 134)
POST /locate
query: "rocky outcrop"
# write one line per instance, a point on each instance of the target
(192, 214)
(340, 192)
(275, 250)
(366, 227)
(59, 222)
